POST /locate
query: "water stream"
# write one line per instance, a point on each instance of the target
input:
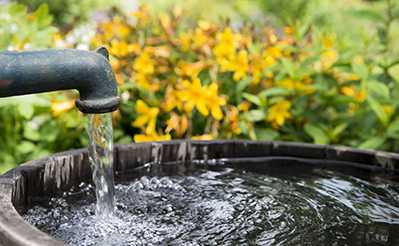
(101, 161)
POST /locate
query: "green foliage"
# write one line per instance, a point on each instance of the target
(234, 10)
(21, 30)
(289, 12)
(30, 131)
(70, 12)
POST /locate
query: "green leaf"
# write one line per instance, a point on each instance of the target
(318, 135)
(25, 147)
(368, 14)
(255, 115)
(43, 18)
(372, 143)
(5, 167)
(26, 110)
(266, 134)
(288, 66)
(339, 129)
(242, 84)
(252, 98)
(378, 89)
(361, 70)
(393, 129)
(31, 134)
(378, 110)
(16, 9)
(275, 91)
(394, 72)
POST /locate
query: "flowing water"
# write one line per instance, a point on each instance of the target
(101, 161)
(222, 206)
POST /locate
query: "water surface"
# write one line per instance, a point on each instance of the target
(230, 207)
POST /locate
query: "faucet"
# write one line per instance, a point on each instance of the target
(50, 70)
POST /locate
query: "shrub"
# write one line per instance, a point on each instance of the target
(215, 81)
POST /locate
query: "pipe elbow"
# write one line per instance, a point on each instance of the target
(99, 93)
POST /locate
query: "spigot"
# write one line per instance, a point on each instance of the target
(88, 72)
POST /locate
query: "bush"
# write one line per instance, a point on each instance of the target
(216, 81)
(303, 81)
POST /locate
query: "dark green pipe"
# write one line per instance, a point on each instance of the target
(51, 70)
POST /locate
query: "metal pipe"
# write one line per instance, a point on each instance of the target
(88, 72)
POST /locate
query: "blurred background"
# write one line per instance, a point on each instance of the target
(317, 71)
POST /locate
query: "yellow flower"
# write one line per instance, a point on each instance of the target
(244, 106)
(226, 37)
(297, 85)
(119, 48)
(57, 108)
(115, 28)
(258, 64)
(342, 76)
(328, 41)
(145, 82)
(233, 120)
(278, 113)
(58, 40)
(161, 51)
(177, 123)
(144, 63)
(115, 63)
(204, 137)
(200, 38)
(388, 110)
(119, 78)
(165, 22)
(147, 117)
(361, 96)
(189, 69)
(205, 25)
(225, 47)
(193, 94)
(240, 65)
(274, 52)
(350, 91)
(184, 41)
(270, 35)
(142, 15)
(214, 101)
(172, 100)
(288, 30)
(328, 58)
(151, 137)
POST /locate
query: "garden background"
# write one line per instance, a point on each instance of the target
(316, 71)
